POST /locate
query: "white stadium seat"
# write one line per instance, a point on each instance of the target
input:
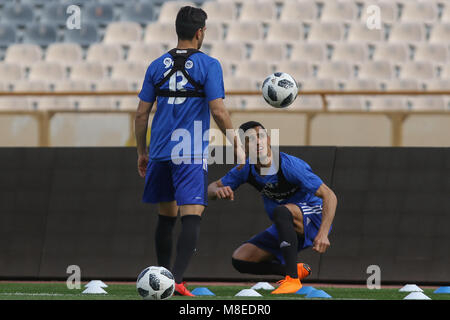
(345, 102)
(112, 85)
(54, 103)
(144, 52)
(402, 85)
(355, 52)
(437, 84)
(407, 32)
(387, 103)
(427, 103)
(64, 53)
(359, 32)
(69, 85)
(445, 17)
(394, 52)
(233, 83)
(11, 71)
(158, 32)
(310, 51)
(419, 11)
(297, 69)
(339, 11)
(258, 11)
(89, 71)
(440, 33)
(131, 71)
(299, 11)
(285, 32)
(230, 51)
(326, 31)
(360, 85)
(306, 102)
(123, 33)
(15, 103)
(31, 86)
(268, 51)
(23, 54)
(445, 73)
(335, 70)
(245, 31)
(50, 71)
(104, 54)
(417, 70)
(219, 11)
(258, 70)
(319, 84)
(431, 52)
(376, 70)
(95, 103)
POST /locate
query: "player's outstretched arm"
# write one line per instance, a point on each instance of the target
(223, 121)
(140, 131)
(216, 190)
(321, 242)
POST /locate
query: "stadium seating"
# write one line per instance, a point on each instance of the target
(66, 54)
(41, 34)
(123, 33)
(23, 54)
(323, 44)
(83, 36)
(305, 11)
(17, 14)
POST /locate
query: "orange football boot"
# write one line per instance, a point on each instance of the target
(288, 285)
(181, 290)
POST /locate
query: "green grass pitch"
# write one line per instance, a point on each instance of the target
(59, 291)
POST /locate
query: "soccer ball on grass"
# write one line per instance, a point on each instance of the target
(155, 283)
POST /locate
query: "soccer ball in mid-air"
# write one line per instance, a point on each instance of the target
(279, 90)
(155, 283)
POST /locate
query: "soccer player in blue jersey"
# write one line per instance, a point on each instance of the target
(186, 85)
(300, 205)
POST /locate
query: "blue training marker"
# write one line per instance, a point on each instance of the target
(201, 291)
(305, 290)
(442, 290)
(318, 294)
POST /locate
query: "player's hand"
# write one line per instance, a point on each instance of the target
(142, 165)
(225, 193)
(321, 243)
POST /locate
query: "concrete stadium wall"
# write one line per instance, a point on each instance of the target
(82, 206)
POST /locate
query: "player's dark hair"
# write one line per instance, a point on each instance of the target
(249, 125)
(189, 20)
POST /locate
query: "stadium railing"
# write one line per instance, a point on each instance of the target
(397, 117)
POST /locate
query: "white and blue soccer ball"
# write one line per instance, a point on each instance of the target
(155, 283)
(279, 89)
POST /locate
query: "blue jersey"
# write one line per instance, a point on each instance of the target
(296, 172)
(178, 118)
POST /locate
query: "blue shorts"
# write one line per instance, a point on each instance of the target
(186, 183)
(268, 239)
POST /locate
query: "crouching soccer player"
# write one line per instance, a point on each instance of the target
(300, 205)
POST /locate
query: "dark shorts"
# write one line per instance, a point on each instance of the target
(186, 183)
(268, 239)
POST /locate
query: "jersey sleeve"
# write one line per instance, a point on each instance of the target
(214, 87)
(299, 172)
(147, 93)
(234, 178)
